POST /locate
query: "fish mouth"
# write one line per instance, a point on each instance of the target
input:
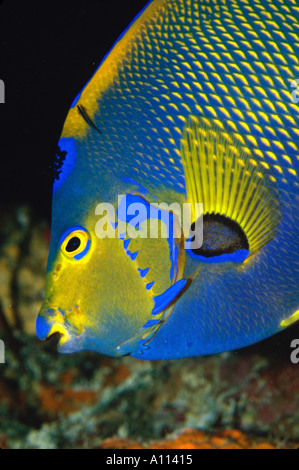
(53, 322)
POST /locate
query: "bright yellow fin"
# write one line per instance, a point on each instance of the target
(221, 174)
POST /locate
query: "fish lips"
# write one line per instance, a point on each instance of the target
(51, 321)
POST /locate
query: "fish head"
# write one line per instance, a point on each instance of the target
(102, 286)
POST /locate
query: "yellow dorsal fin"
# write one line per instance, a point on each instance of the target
(224, 176)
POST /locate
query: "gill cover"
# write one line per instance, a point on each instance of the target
(115, 294)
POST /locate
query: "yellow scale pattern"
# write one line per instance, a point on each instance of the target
(230, 60)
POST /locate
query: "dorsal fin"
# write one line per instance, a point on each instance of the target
(224, 177)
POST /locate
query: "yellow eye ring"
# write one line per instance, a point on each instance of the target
(75, 243)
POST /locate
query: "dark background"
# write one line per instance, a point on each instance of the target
(48, 51)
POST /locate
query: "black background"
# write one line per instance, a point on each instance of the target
(48, 51)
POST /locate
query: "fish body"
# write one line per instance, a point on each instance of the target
(196, 103)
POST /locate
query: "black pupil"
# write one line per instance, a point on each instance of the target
(73, 244)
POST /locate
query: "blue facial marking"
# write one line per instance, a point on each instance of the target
(83, 253)
(68, 145)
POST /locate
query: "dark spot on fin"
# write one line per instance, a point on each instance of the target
(86, 117)
(221, 235)
(228, 179)
(58, 162)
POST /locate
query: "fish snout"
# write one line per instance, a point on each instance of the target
(45, 321)
(52, 319)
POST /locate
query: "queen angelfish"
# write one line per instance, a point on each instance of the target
(196, 106)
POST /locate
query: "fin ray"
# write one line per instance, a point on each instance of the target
(224, 176)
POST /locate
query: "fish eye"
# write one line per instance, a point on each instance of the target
(75, 243)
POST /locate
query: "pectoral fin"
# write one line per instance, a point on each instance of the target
(240, 201)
